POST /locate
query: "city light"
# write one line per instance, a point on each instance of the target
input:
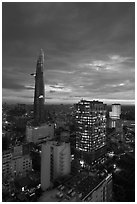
(82, 163)
(114, 166)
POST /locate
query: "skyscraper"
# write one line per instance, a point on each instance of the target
(91, 128)
(39, 96)
(39, 130)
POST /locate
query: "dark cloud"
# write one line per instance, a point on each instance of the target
(89, 49)
(56, 87)
(12, 85)
(51, 91)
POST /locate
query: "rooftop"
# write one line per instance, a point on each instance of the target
(78, 186)
(85, 182)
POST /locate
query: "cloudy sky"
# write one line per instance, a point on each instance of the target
(89, 51)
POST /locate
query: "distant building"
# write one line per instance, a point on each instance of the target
(39, 134)
(6, 159)
(90, 119)
(111, 123)
(115, 121)
(60, 123)
(20, 165)
(119, 126)
(17, 150)
(55, 162)
(21, 150)
(26, 148)
(65, 136)
(21, 106)
(20, 122)
(116, 111)
(16, 161)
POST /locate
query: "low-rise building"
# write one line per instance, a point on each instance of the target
(6, 159)
(38, 134)
(65, 136)
(16, 161)
(20, 165)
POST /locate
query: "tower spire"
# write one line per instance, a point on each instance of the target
(41, 56)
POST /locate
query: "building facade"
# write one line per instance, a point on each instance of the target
(16, 162)
(55, 162)
(20, 165)
(102, 192)
(90, 119)
(6, 160)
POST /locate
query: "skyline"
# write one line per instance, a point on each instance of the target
(89, 51)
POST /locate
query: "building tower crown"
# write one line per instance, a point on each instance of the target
(40, 60)
(41, 56)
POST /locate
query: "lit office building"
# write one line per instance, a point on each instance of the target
(91, 128)
(55, 162)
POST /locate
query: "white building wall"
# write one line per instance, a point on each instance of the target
(45, 166)
(66, 159)
(61, 164)
(62, 160)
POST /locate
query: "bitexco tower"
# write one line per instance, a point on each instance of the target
(39, 96)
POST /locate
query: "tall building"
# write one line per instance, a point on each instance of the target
(38, 130)
(39, 96)
(90, 119)
(55, 162)
(116, 111)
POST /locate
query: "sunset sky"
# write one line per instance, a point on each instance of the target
(89, 51)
